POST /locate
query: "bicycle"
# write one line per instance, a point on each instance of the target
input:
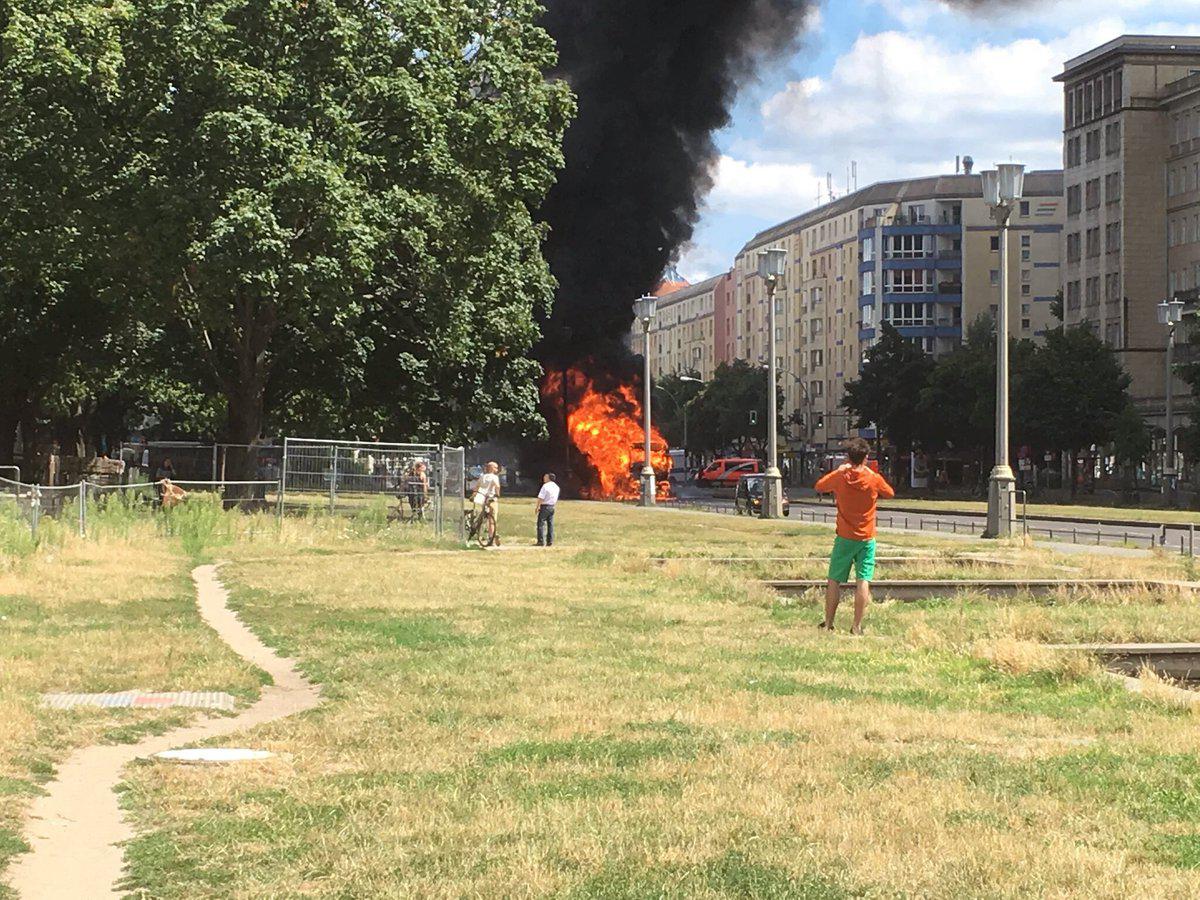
(481, 526)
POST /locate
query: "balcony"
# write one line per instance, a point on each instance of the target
(950, 287)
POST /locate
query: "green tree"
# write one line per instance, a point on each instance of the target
(1073, 393)
(888, 390)
(673, 411)
(62, 336)
(731, 412)
(332, 205)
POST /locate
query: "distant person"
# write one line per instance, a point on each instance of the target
(857, 489)
(487, 495)
(417, 489)
(163, 476)
(547, 503)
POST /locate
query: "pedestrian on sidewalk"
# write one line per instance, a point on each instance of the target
(547, 503)
(857, 488)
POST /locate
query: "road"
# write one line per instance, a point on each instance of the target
(1143, 535)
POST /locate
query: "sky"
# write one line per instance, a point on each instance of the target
(902, 87)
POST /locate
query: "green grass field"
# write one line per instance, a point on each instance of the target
(584, 723)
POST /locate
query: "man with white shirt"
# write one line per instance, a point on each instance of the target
(547, 502)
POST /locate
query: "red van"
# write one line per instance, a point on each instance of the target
(726, 472)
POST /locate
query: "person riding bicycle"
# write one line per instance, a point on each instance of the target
(486, 498)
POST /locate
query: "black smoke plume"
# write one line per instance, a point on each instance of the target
(655, 80)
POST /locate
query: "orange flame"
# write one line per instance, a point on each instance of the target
(606, 427)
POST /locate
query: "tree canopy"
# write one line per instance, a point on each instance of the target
(311, 214)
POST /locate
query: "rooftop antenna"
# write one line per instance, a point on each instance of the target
(854, 172)
(829, 185)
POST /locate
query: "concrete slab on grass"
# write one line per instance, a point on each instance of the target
(142, 700)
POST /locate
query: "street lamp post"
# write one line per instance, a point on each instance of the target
(682, 407)
(1002, 189)
(644, 310)
(771, 267)
(1170, 313)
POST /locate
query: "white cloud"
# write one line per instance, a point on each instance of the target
(902, 103)
(701, 261)
(763, 189)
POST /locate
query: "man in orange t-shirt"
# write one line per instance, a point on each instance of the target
(857, 488)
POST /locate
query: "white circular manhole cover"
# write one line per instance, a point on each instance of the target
(214, 755)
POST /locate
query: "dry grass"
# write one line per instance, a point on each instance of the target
(86, 616)
(579, 723)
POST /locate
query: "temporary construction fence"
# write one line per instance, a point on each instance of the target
(427, 481)
(414, 484)
(195, 460)
(80, 503)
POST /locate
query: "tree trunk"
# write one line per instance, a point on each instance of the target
(10, 417)
(244, 430)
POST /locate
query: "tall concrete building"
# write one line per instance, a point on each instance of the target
(921, 255)
(684, 337)
(1132, 188)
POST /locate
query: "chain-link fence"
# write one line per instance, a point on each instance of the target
(26, 508)
(416, 484)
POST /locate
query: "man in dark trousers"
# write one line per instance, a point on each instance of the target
(547, 502)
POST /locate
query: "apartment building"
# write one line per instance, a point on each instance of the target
(684, 336)
(921, 255)
(1132, 187)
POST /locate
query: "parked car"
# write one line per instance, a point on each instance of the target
(747, 498)
(728, 471)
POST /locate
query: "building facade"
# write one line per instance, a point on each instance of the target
(1131, 158)
(683, 336)
(921, 255)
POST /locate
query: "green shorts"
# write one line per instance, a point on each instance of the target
(860, 554)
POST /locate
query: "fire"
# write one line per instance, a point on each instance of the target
(606, 427)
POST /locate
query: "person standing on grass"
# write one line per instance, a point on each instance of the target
(487, 498)
(547, 502)
(857, 489)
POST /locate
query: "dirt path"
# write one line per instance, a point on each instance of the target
(75, 829)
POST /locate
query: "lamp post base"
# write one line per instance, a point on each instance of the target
(772, 500)
(1001, 503)
(649, 490)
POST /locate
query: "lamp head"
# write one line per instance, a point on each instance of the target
(644, 309)
(772, 262)
(991, 187)
(1012, 181)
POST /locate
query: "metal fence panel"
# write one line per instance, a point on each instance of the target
(352, 476)
(454, 491)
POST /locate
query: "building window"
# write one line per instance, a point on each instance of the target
(905, 246)
(1093, 291)
(908, 314)
(1024, 324)
(1026, 290)
(1093, 194)
(1026, 275)
(994, 276)
(1093, 145)
(909, 281)
(816, 326)
(1026, 255)
(1026, 240)
(1025, 208)
(1112, 187)
(868, 316)
(817, 389)
(1112, 139)
(1072, 295)
(995, 244)
(1093, 243)
(1074, 152)
(1074, 200)
(868, 284)
(868, 249)
(1073, 243)
(1112, 238)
